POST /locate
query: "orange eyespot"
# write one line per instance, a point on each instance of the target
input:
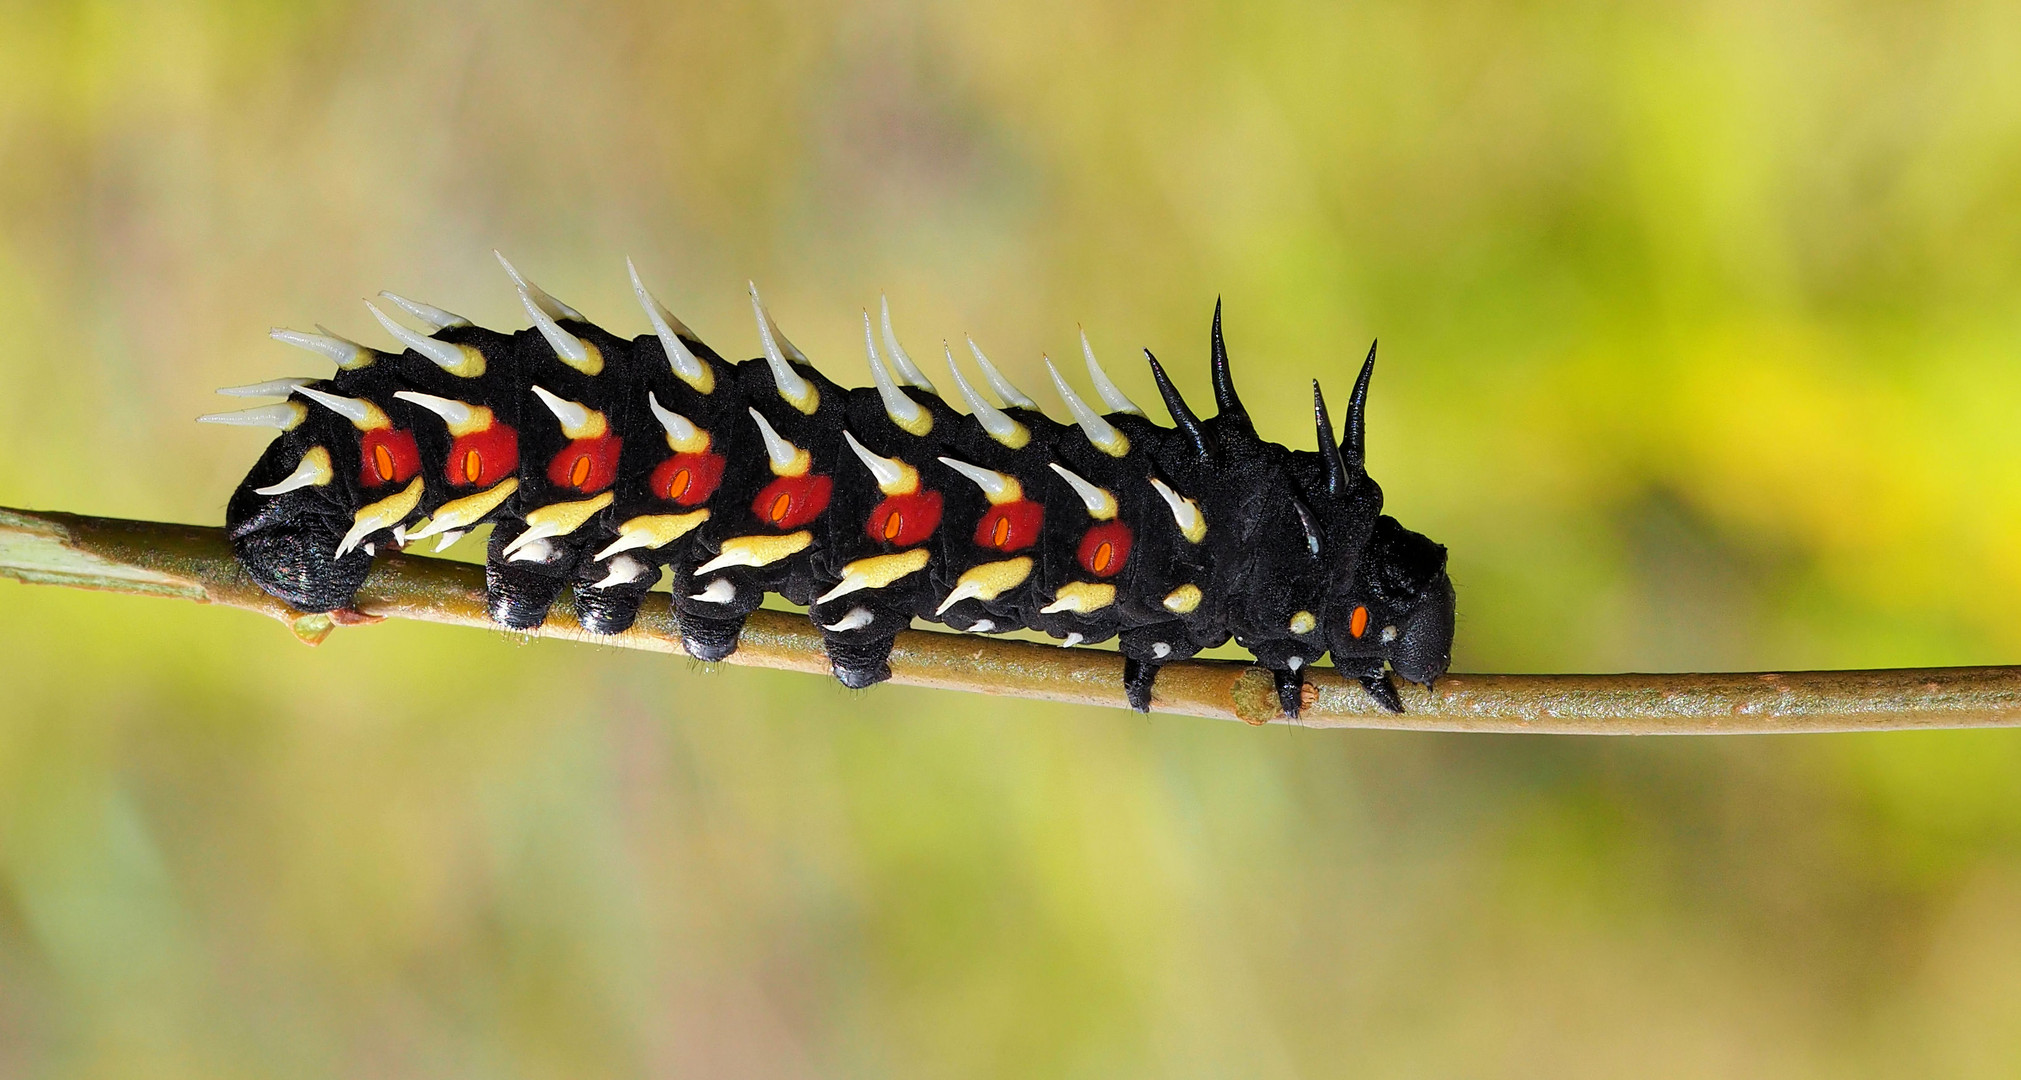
(789, 502)
(387, 456)
(482, 458)
(1357, 623)
(688, 479)
(587, 465)
(1104, 549)
(1001, 534)
(904, 520)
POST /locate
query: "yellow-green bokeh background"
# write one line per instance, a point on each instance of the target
(1702, 349)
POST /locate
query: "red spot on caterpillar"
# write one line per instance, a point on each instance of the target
(587, 465)
(688, 479)
(905, 520)
(483, 458)
(792, 501)
(387, 456)
(1105, 548)
(1357, 623)
(1011, 526)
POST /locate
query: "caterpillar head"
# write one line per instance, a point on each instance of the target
(1398, 607)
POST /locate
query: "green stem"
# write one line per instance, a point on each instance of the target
(195, 563)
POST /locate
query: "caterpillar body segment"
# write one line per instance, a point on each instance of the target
(604, 463)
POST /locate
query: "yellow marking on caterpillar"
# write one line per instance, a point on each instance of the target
(1183, 599)
(384, 514)
(876, 572)
(757, 550)
(988, 581)
(653, 531)
(1082, 597)
(467, 511)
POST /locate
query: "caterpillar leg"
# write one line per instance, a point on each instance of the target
(1138, 675)
(608, 592)
(1369, 672)
(520, 587)
(1145, 649)
(711, 611)
(859, 660)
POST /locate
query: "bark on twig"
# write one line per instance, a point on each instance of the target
(195, 563)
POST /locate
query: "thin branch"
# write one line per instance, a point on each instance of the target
(195, 563)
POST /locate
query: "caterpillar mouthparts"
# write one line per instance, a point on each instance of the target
(601, 461)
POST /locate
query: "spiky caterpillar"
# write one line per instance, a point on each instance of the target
(599, 462)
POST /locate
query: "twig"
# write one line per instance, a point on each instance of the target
(195, 563)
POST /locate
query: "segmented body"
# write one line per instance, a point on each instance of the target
(602, 462)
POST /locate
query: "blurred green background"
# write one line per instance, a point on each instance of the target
(1700, 325)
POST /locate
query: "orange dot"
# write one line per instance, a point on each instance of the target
(780, 506)
(473, 467)
(1000, 535)
(1102, 556)
(678, 486)
(578, 474)
(1357, 623)
(382, 460)
(892, 525)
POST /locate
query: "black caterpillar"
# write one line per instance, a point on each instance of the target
(599, 460)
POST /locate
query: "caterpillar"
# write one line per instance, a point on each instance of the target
(601, 463)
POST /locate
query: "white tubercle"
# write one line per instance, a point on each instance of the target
(902, 410)
(356, 410)
(857, 619)
(340, 351)
(1011, 396)
(994, 484)
(312, 471)
(441, 353)
(565, 345)
(884, 470)
(679, 356)
(679, 428)
(908, 372)
(719, 591)
(448, 540)
(995, 421)
(791, 386)
(1101, 505)
(1072, 640)
(574, 416)
(454, 413)
(529, 547)
(623, 571)
(1099, 431)
(1105, 388)
(1185, 512)
(777, 448)
(981, 626)
(428, 313)
(270, 388)
(283, 415)
(548, 304)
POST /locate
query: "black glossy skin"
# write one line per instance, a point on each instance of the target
(1295, 543)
